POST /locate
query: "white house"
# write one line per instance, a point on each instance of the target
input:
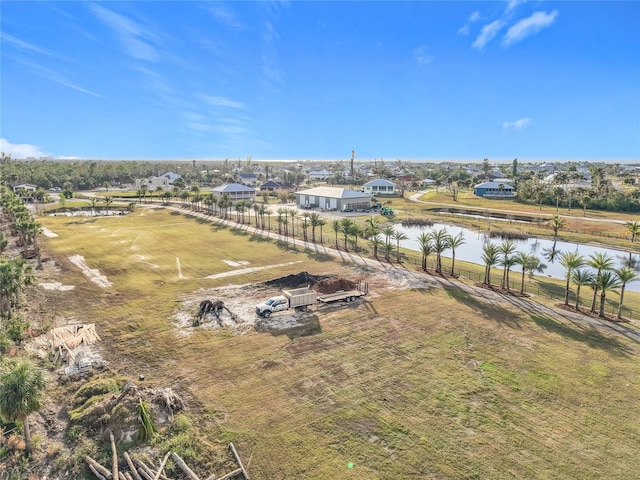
(165, 181)
(333, 198)
(380, 186)
(25, 187)
(236, 192)
(248, 179)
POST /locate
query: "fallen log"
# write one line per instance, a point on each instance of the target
(132, 467)
(127, 476)
(101, 470)
(95, 472)
(230, 474)
(235, 454)
(143, 469)
(114, 454)
(164, 461)
(183, 466)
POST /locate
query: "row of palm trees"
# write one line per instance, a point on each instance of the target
(600, 275)
(21, 383)
(505, 254)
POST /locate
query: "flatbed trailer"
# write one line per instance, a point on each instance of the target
(345, 295)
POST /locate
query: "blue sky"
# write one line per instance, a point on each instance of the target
(313, 80)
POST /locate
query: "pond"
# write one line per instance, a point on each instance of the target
(547, 251)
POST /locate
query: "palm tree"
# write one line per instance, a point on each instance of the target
(372, 226)
(346, 228)
(556, 223)
(606, 281)
(335, 226)
(440, 241)
(21, 386)
(426, 248)
(455, 241)
(398, 236)
(15, 276)
(315, 219)
(376, 242)
(490, 257)
(625, 275)
(600, 262)
(305, 226)
(293, 214)
(388, 233)
(321, 224)
(282, 212)
(570, 261)
(526, 261)
(633, 228)
(506, 249)
(581, 277)
(108, 200)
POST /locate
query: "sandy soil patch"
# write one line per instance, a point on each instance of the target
(48, 233)
(242, 271)
(239, 299)
(91, 273)
(239, 263)
(56, 286)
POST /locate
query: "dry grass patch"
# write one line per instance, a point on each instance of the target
(413, 381)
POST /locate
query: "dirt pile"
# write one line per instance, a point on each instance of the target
(301, 279)
(335, 284)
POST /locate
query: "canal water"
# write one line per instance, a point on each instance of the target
(547, 251)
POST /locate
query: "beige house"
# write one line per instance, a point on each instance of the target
(236, 192)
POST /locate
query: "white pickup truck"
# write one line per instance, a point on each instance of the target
(301, 298)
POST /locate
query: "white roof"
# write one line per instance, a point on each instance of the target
(232, 187)
(333, 192)
(379, 182)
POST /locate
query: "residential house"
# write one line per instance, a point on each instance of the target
(333, 198)
(494, 190)
(165, 181)
(248, 179)
(270, 186)
(236, 192)
(379, 186)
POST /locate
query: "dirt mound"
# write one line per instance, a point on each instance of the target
(294, 280)
(332, 285)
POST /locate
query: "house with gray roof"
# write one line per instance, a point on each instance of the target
(494, 190)
(236, 192)
(333, 198)
(379, 186)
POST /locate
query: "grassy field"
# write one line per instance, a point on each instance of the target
(408, 384)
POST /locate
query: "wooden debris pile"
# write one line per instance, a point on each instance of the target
(61, 341)
(141, 470)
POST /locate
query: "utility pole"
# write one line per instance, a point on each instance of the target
(353, 155)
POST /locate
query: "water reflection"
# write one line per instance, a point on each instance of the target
(547, 250)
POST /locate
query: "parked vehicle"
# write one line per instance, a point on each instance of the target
(297, 298)
(300, 299)
(386, 211)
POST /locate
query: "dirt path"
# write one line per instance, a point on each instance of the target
(410, 278)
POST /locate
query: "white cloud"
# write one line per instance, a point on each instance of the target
(133, 37)
(512, 4)
(24, 45)
(517, 125)
(489, 31)
(529, 26)
(474, 17)
(56, 77)
(222, 13)
(222, 102)
(21, 150)
(421, 55)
